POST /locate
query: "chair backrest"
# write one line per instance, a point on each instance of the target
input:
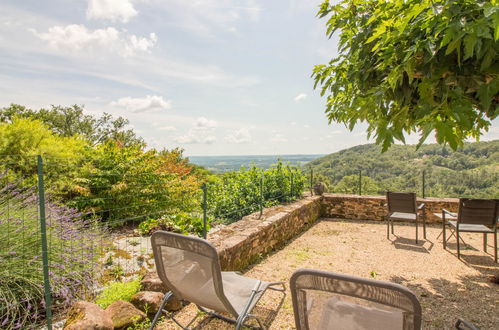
(478, 211)
(323, 300)
(189, 267)
(401, 202)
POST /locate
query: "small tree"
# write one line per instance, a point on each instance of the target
(413, 66)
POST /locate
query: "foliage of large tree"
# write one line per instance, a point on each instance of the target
(71, 121)
(413, 66)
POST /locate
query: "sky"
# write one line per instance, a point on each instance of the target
(215, 77)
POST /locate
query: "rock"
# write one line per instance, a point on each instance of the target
(123, 314)
(88, 316)
(153, 301)
(151, 282)
(320, 188)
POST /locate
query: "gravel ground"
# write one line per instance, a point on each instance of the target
(446, 287)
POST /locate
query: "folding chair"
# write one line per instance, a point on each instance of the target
(190, 268)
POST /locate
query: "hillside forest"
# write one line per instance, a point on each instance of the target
(470, 171)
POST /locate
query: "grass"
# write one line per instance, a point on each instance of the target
(117, 291)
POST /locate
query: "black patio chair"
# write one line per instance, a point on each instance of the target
(402, 206)
(474, 216)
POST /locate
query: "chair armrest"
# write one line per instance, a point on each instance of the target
(421, 206)
(452, 214)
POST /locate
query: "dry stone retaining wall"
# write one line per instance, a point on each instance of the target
(246, 241)
(374, 207)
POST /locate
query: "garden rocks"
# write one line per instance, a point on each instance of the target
(124, 314)
(88, 316)
(151, 282)
(148, 301)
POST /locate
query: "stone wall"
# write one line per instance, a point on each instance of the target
(374, 207)
(247, 240)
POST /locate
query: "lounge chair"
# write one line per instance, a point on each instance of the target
(402, 206)
(474, 216)
(323, 300)
(189, 267)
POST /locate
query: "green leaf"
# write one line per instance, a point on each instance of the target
(470, 41)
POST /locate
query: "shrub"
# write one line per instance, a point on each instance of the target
(118, 291)
(183, 223)
(128, 184)
(72, 256)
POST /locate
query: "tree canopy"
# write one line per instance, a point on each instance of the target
(71, 121)
(408, 66)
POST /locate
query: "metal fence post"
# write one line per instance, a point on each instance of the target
(205, 197)
(43, 232)
(423, 188)
(360, 182)
(311, 181)
(261, 195)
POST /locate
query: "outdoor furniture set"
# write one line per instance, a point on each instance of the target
(190, 267)
(473, 216)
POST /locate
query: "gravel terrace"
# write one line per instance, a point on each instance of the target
(446, 287)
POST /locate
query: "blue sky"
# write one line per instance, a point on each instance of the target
(215, 77)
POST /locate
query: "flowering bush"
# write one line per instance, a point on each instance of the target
(72, 251)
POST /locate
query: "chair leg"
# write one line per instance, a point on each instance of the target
(416, 230)
(387, 228)
(392, 227)
(424, 226)
(167, 297)
(485, 242)
(444, 235)
(458, 245)
(495, 245)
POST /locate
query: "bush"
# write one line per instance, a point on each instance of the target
(72, 257)
(128, 184)
(183, 223)
(118, 291)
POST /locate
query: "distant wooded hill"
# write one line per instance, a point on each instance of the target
(471, 171)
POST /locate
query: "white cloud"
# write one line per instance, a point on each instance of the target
(75, 38)
(199, 133)
(239, 136)
(168, 128)
(142, 104)
(203, 124)
(195, 137)
(278, 138)
(301, 96)
(113, 10)
(306, 126)
(203, 17)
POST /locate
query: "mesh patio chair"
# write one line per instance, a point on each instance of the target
(465, 325)
(190, 268)
(474, 216)
(323, 300)
(402, 206)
